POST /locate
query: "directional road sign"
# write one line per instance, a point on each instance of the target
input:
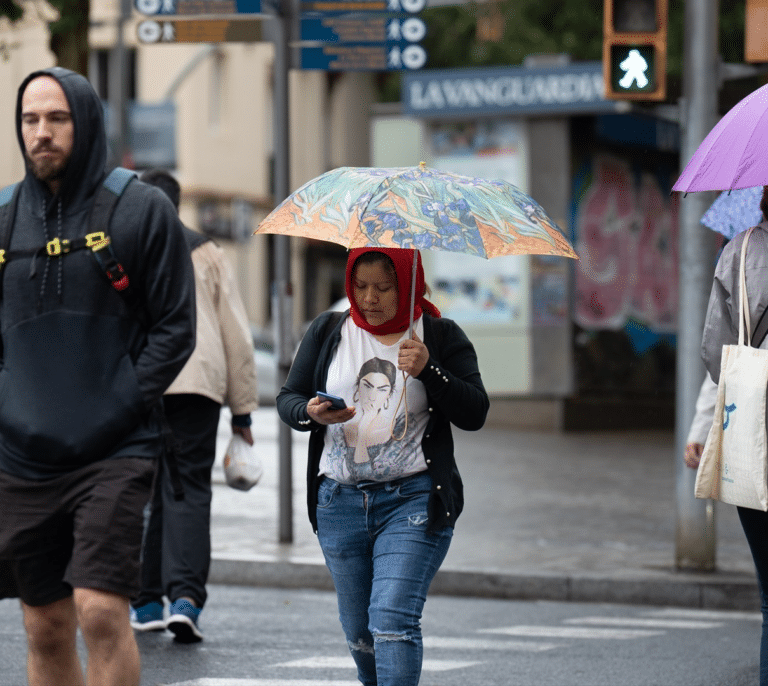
(344, 6)
(199, 31)
(361, 28)
(364, 57)
(198, 7)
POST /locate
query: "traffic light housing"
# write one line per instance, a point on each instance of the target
(756, 31)
(635, 49)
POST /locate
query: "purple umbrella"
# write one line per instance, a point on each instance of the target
(733, 155)
(734, 211)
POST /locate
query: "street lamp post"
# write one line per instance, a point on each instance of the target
(695, 529)
(118, 86)
(282, 295)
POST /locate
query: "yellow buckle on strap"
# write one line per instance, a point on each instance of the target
(2, 258)
(97, 240)
(57, 247)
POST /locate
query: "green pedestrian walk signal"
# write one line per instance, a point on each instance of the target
(633, 69)
(635, 49)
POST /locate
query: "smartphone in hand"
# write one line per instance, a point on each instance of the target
(336, 402)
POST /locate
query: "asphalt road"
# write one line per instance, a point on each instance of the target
(268, 637)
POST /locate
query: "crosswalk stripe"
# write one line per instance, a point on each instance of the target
(261, 682)
(645, 622)
(704, 614)
(573, 632)
(482, 644)
(326, 662)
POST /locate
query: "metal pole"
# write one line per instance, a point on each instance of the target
(695, 531)
(282, 296)
(202, 54)
(118, 87)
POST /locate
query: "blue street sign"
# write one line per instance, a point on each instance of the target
(197, 7)
(364, 57)
(345, 6)
(173, 30)
(361, 28)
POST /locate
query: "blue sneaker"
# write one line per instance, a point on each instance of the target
(183, 621)
(148, 617)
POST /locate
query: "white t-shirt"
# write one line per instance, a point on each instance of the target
(364, 372)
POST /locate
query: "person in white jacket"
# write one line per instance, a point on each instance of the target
(702, 422)
(721, 327)
(177, 545)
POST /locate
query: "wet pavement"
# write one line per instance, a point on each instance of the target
(575, 516)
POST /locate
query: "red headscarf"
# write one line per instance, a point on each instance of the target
(402, 258)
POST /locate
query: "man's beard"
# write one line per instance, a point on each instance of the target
(46, 168)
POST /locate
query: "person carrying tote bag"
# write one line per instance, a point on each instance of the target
(721, 331)
(734, 463)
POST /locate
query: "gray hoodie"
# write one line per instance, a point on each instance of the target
(80, 376)
(721, 326)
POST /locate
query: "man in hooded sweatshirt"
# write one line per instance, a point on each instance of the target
(81, 376)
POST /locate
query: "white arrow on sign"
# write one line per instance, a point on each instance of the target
(412, 30)
(411, 57)
(414, 57)
(151, 31)
(152, 6)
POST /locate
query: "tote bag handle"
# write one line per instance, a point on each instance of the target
(744, 319)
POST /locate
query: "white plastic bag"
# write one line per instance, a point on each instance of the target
(242, 465)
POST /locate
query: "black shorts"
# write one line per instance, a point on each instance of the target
(81, 530)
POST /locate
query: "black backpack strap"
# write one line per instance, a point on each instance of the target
(98, 232)
(100, 244)
(9, 200)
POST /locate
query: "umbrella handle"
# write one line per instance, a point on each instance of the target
(413, 293)
(403, 396)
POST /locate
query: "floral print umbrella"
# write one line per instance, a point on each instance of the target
(418, 208)
(734, 211)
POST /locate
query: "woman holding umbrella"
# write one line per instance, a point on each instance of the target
(384, 515)
(721, 328)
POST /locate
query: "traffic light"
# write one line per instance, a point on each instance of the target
(756, 31)
(635, 49)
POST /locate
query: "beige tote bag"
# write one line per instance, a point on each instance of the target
(734, 464)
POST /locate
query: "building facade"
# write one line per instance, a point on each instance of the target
(206, 112)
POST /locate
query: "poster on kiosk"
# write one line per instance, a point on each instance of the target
(489, 299)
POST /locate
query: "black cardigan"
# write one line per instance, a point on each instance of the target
(455, 394)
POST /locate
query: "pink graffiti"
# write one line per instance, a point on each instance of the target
(627, 242)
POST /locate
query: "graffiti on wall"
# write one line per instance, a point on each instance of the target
(626, 235)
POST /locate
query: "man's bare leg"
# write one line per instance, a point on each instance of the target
(113, 656)
(52, 644)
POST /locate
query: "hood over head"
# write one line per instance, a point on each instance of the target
(87, 162)
(402, 261)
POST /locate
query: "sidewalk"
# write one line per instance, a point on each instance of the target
(579, 517)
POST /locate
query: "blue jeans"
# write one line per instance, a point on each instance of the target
(755, 525)
(382, 559)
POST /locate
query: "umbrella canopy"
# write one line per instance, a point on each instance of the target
(734, 211)
(419, 208)
(733, 153)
